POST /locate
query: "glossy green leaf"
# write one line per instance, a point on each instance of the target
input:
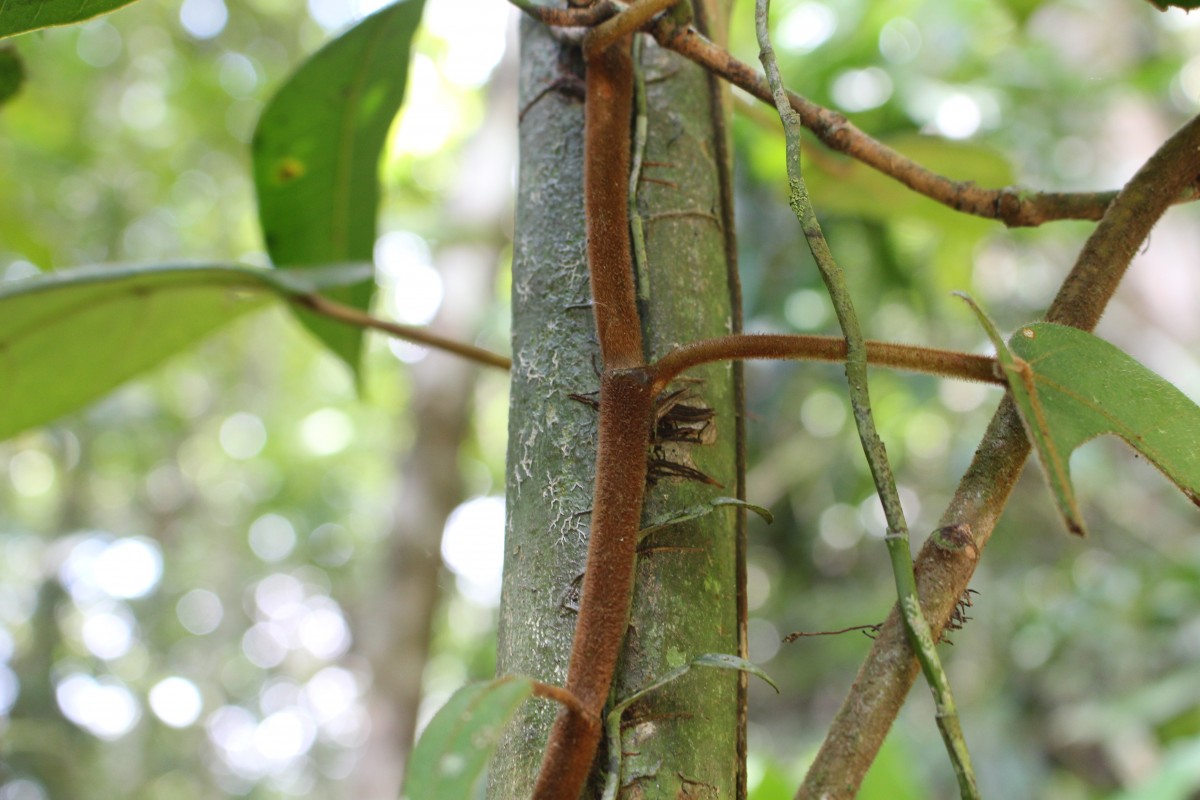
(19, 16)
(1070, 387)
(12, 74)
(68, 337)
(316, 156)
(459, 740)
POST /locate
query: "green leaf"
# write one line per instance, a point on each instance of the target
(459, 740)
(1163, 5)
(68, 337)
(700, 510)
(316, 156)
(12, 74)
(1070, 387)
(726, 661)
(19, 16)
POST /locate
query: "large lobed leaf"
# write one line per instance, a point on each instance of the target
(1070, 387)
(67, 338)
(19, 16)
(316, 156)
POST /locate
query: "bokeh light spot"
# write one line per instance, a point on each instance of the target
(129, 568)
(31, 472)
(272, 537)
(243, 436)
(473, 547)
(103, 707)
(176, 701)
(806, 27)
(327, 431)
(958, 116)
(108, 634)
(823, 413)
(199, 611)
(203, 19)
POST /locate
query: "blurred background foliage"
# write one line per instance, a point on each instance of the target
(206, 579)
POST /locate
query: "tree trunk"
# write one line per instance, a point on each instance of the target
(686, 739)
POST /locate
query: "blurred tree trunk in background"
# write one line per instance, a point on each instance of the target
(688, 736)
(397, 632)
(51, 747)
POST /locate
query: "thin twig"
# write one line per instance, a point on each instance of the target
(641, 129)
(1013, 206)
(561, 696)
(360, 319)
(944, 363)
(920, 636)
(791, 637)
(888, 672)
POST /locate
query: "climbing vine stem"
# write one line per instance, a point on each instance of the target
(932, 361)
(919, 634)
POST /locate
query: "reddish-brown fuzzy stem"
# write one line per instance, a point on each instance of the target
(626, 411)
(626, 406)
(561, 696)
(947, 363)
(352, 316)
(608, 110)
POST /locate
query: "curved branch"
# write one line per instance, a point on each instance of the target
(1013, 206)
(741, 347)
(568, 17)
(943, 572)
(352, 316)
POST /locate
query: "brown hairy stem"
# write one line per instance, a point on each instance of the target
(1012, 206)
(888, 673)
(625, 424)
(626, 411)
(352, 316)
(608, 109)
(946, 363)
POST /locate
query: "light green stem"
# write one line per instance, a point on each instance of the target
(919, 634)
(641, 117)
